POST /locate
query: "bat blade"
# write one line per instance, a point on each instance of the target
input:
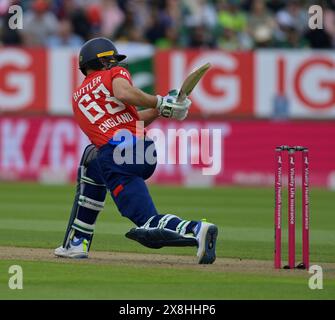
(191, 81)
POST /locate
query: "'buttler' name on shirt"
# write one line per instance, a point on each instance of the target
(87, 88)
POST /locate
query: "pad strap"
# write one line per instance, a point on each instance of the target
(147, 224)
(164, 220)
(83, 227)
(181, 227)
(90, 181)
(90, 203)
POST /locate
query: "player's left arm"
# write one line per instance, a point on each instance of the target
(148, 116)
(166, 106)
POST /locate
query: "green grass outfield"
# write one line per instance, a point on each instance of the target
(35, 216)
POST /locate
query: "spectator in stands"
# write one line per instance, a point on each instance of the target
(228, 40)
(294, 15)
(171, 17)
(232, 26)
(199, 13)
(140, 11)
(76, 13)
(104, 17)
(200, 37)
(65, 36)
(157, 26)
(171, 14)
(275, 5)
(94, 16)
(39, 24)
(261, 24)
(129, 31)
(111, 19)
(231, 16)
(292, 39)
(171, 39)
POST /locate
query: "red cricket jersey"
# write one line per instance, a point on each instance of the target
(98, 113)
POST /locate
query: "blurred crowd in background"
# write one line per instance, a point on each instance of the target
(225, 24)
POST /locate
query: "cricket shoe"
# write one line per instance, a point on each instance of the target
(77, 249)
(206, 234)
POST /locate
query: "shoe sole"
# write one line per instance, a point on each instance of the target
(209, 255)
(75, 256)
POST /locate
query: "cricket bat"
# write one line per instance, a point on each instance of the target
(191, 81)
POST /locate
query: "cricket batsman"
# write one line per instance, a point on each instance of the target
(121, 157)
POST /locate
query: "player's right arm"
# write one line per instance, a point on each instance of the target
(148, 116)
(126, 93)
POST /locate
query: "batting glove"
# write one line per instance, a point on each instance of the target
(168, 106)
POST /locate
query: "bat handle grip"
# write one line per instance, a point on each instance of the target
(181, 97)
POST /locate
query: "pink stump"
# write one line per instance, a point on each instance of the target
(278, 208)
(305, 208)
(291, 208)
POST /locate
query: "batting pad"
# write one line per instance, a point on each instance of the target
(157, 238)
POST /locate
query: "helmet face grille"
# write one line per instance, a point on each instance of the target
(99, 64)
(108, 62)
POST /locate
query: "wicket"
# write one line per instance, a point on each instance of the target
(291, 206)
